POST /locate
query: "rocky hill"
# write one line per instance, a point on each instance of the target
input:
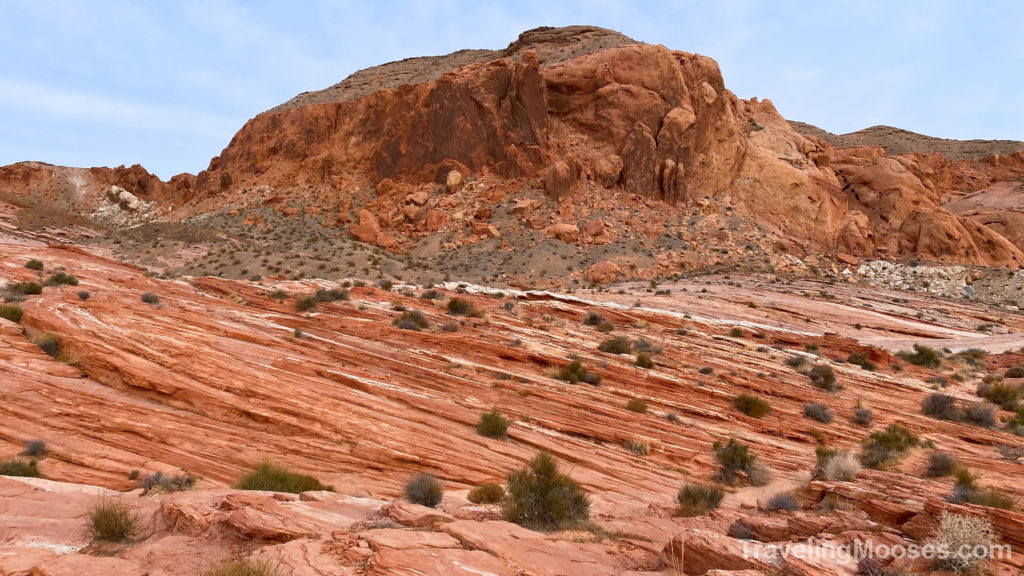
(898, 141)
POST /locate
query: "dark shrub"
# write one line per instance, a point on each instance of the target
(34, 448)
(593, 319)
(1002, 394)
(278, 295)
(84, 295)
(411, 320)
(386, 285)
(981, 414)
(34, 264)
(431, 295)
(60, 279)
(25, 288)
(486, 494)
(542, 498)
(782, 501)
(941, 406)
(698, 499)
(167, 482)
(273, 478)
(113, 519)
(424, 489)
(966, 490)
(752, 405)
(18, 467)
(736, 332)
(707, 370)
(638, 405)
(332, 295)
(615, 345)
(883, 447)
(940, 464)
(1015, 372)
(150, 298)
(493, 425)
(643, 360)
(48, 342)
(460, 307)
(450, 326)
(863, 417)
(246, 567)
(823, 377)
(733, 458)
(923, 356)
(605, 327)
(11, 312)
(861, 359)
(818, 412)
(307, 304)
(575, 372)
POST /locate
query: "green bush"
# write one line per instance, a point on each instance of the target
(940, 464)
(575, 371)
(61, 279)
(11, 312)
(1002, 394)
(261, 567)
(486, 494)
(1015, 372)
(942, 406)
(861, 359)
(752, 405)
(863, 417)
(638, 405)
(25, 288)
(593, 319)
(307, 304)
(461, 307)
(48, 342)
(411, 320)
(707, 370)
(923, 356)
(167, 482)
(782, 501)
(34, 264)
(733, 458)
(332, 295)
(615, 345)
(270, 477)
(643, 360)
(638, 446)
(823, 377)
(431, 295)
(150, 298)
(736, 332)
(84, 295)
(493, 425)
(698, 499)
(113, 519)
(19, 467)
(424, 489)
(542, 498)
(966, 490)
(884, 447)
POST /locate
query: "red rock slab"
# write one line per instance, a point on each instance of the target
(167, 554)
(404, 539)
(409, 514)
(436, 562)
(17, 561)
(534, 552)
(309, 557)
(83, 565)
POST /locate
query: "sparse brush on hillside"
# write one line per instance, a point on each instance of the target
(886, 447)
(575, 371)
(643, 360)
(246, 567)
(61, 279)
(19, 467)
(638, 405)
(842, 466)
(615, 345)
(541, 497)
(751, 405)
(12, 312)
(940, 464)
(733, 458)
(962, 535)
(486, 494)
(273, 478)
(113, 519)
(493, 425)
(411, 320)
(923, 356)
(698, 499)
(48, 342)
(424, 489)
(462, 307)
(818, 412)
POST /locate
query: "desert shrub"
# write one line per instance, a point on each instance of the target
(25, 288)
(923, 356)
(638, 446)
(386, 285)
(823, 377)
(698, 499)
(540, 497)
(19, 467)
(48, 342)
(593, 319)
(60, 279)
(752, 405)
(34, 448)
(638, 405)
(940, 464)
(34, 264)
(461, 307)
(270, 477)
(605, 327)
(782, 501)
(1002, 394)
(736, 332)
(487, 494)
(883, 447)
(245, 567)
(278, 295)
(167, 482)
(575, 371)
(84, 295)
(306, 304)
(942, 406)
(961, 535)
(332, 295)
(980, 414)
(759, 474)
(411, 320)
(424, 489)
(1015, 372)
(112, 519)
(707, 370)
(966, 490)
(615, 345)
(796, 362)
(733, 458)
(643, 360)
(842, 466)
(431, 295)
(818, 412)
(493, 425)
(863, 417)
(450, 326)
(150, 298)
(1011, 453)
(11, 312)
(861, 359)
(672, 417)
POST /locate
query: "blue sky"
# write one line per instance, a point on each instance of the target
(166, 84)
